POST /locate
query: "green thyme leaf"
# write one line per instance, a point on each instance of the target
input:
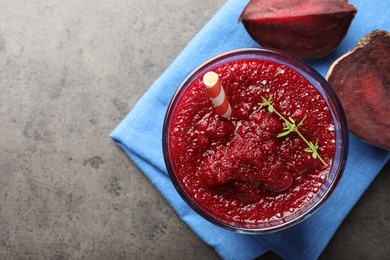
(290, 126)
(301, 123)
(283, 134)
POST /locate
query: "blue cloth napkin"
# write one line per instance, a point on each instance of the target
(139, 135)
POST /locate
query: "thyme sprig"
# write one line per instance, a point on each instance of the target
(291, 126)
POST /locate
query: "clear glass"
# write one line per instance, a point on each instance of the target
(341, 131)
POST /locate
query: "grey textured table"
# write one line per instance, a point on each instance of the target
(69, 72)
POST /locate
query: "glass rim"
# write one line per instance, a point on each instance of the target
(335, 108)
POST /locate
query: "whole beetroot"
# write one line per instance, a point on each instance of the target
(304, 28)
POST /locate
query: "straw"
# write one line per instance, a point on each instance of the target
(217, 94)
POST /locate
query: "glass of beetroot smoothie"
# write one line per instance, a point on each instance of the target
(275, 160)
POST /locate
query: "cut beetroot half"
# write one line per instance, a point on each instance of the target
(361, 79)
(304, 28)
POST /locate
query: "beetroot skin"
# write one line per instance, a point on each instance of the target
(361, 79)
(304, 28)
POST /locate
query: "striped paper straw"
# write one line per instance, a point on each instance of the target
(217, 94)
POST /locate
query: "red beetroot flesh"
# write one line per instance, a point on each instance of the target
(305, 28)
(237, 170)
(361, 79)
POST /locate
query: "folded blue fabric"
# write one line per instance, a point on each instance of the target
(139, 135)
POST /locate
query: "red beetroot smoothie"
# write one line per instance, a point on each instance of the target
(238, 170)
